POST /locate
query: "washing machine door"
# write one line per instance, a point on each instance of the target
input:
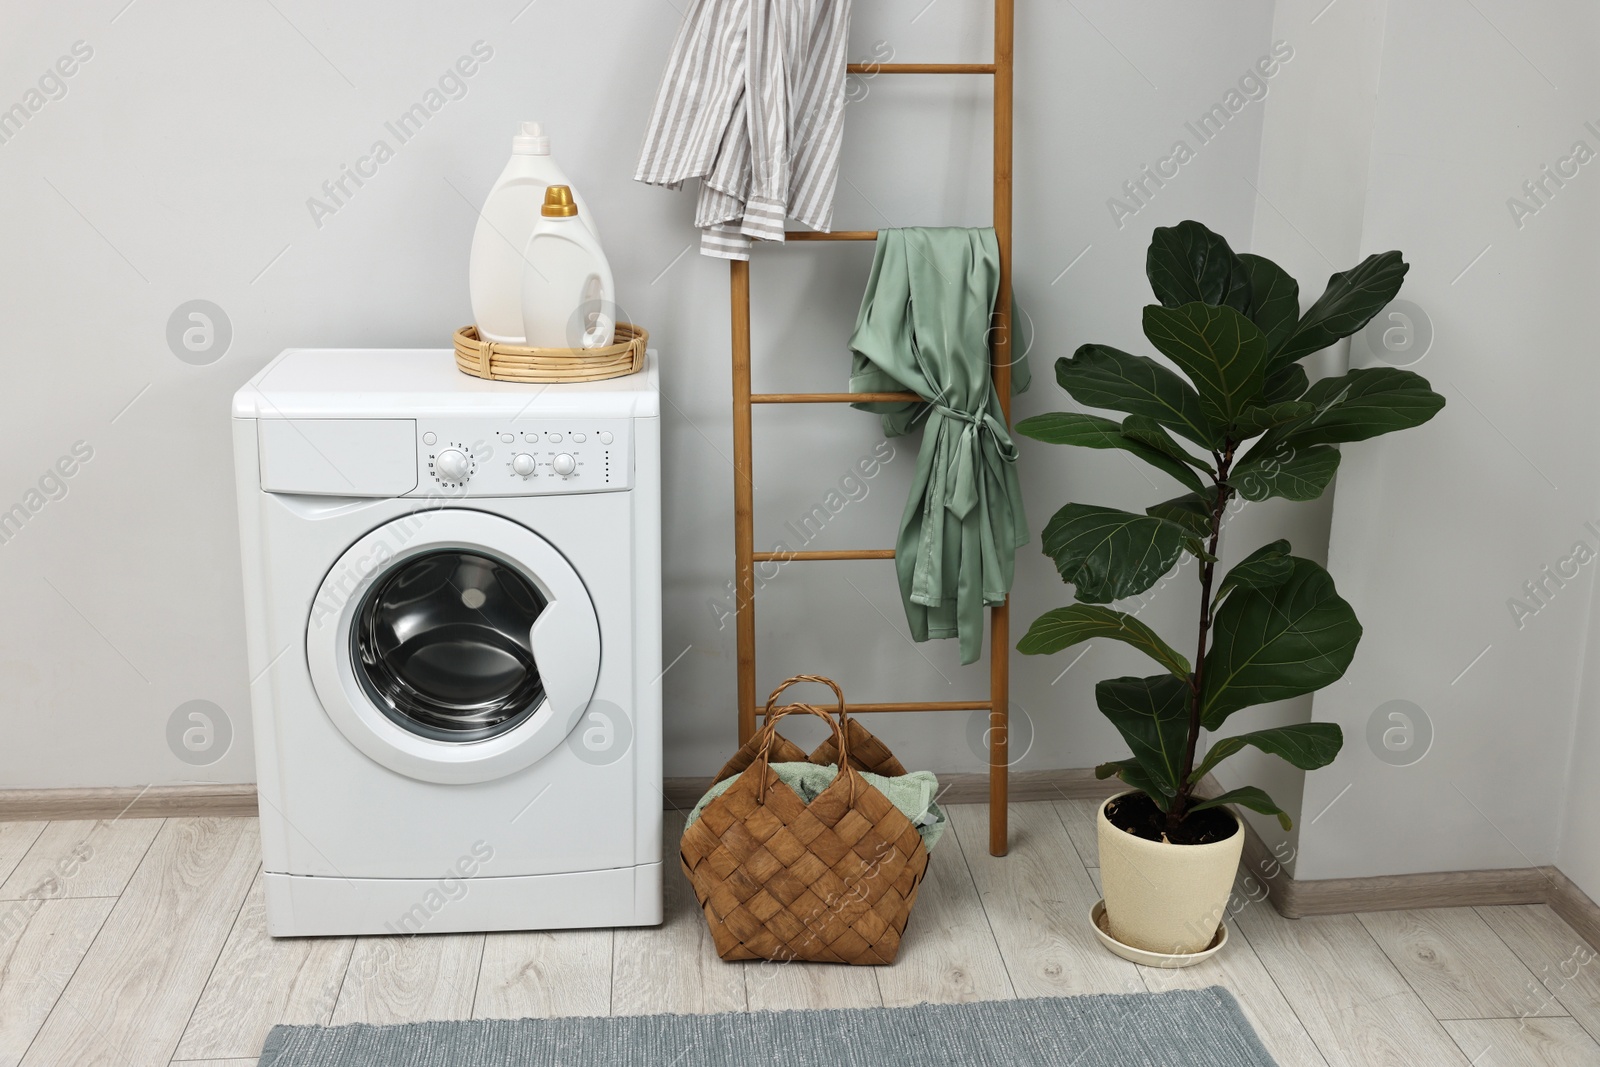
(453, 646)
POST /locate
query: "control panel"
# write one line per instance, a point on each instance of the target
(522, 457)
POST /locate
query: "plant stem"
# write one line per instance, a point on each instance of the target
(1180, 803)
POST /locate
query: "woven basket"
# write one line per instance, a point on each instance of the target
(513, 363)
(832, 881)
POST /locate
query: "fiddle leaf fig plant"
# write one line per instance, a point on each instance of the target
(1239, 417)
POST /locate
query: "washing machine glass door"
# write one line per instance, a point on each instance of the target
(454, 646)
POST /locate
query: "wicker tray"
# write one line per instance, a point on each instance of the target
(513, 363)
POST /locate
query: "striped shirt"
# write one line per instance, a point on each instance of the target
(752, 104)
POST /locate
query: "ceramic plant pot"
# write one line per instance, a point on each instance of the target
(1162, 897)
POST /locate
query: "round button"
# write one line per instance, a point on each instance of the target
(553, 438)
(452, 465)
(531, 438)
(507, 438)
(564, 464)
(605, 437)
(523, 464)
(579, 438)
(430, 438)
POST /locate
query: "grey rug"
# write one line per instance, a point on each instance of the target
(1192, 1028)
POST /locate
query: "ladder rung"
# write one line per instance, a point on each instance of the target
(832, 398)
(921, 68)
(802, 557)
(836, 235)
(913, 705)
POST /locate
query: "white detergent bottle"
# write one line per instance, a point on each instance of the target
(507, 220)
(568, 297)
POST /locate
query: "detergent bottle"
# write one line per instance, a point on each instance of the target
(504, 226)
(568, 297)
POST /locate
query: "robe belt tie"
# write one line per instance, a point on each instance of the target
(962, 471)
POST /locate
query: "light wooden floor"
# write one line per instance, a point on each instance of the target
(142, 942)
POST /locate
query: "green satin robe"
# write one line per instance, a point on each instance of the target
(924, 327)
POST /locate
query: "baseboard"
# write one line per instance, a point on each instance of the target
(1291, 897)
(1298, 899)
(955, 787)
(147, 802)
(1573, 905)
(1399, 892)
(162, 801)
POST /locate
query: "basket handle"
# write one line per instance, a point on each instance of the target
(769, 733)
(829, 682)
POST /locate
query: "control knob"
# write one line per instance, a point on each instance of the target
(452, 465)
(564, 464)
(523, 464)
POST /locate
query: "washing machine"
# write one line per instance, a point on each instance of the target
(453, 590)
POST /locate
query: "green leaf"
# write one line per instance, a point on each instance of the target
(1095, 431)
(1152, 714)
(1104, 377)
(1149, 432)
(1266, 568)
(1248, 797)
(1274, 298)
(1352, 298)
(1072, 428)
(1192, 511)
(1292, 473)
(1221, 351)
(1285, 383)
(1272, 644)
(1109, 554)
(1188, 262)
(1307, 746)
(1363, 404)
(1136, 776)
(1257, 420)
(1071, 625)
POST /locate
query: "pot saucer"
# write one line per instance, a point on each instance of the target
(1097, 916)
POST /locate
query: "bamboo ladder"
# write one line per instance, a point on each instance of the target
(745, 556)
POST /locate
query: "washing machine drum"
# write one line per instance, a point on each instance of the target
(443, 646)
(454, 646)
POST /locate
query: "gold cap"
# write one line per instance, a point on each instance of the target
(558, 203)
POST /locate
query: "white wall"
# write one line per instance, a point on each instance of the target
(1311, 195)
(178, 166)
(1578, 848)
(1435, 530)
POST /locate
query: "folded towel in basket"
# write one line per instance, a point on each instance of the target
(912, 793)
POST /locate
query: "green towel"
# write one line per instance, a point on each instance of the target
(912, 793)
(924, 326)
